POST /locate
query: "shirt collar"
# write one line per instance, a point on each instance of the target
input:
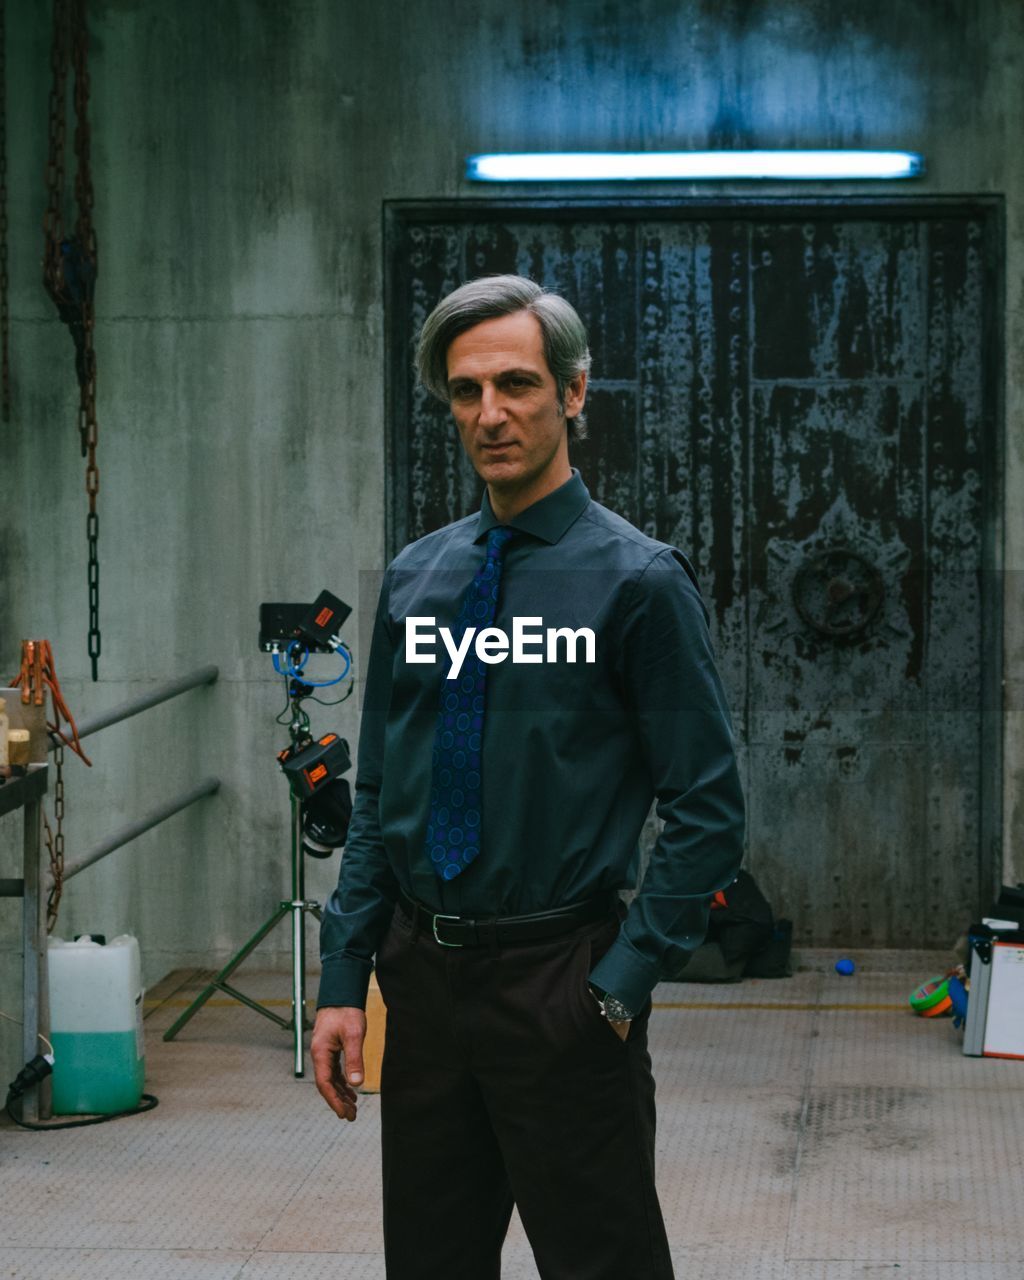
(547, 519)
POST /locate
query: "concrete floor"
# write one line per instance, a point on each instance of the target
(809, 1129)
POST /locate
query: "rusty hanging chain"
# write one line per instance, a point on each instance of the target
(5, 315)
(55, 844)
(92, 529)
(70, 263)
(85, 234)
(53, 220)
(83, 177)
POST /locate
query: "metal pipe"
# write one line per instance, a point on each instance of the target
(205, 788)
(93, 724)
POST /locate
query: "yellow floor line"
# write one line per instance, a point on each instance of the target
(785, 1006)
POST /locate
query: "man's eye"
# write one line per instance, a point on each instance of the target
(464, 392)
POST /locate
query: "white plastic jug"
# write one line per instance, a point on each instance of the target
(96, 998)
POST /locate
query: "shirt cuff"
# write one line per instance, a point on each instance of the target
(625, 974)
(344, 980)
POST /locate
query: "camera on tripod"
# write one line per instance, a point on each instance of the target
(321, 802)
(313, 766)
(314, 773)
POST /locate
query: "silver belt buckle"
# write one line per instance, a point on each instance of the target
(440, 941)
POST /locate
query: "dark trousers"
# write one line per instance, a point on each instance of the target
(502, 1083)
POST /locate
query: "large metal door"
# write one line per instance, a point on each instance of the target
(801, 398)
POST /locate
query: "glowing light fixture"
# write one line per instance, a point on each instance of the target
(638, 166)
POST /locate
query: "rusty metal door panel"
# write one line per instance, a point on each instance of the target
(957, 476)
(851, 407)
(803, 404)
(836, 832)
(843, 297)
(694, 486)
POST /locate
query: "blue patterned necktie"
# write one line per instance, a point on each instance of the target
(453, 832)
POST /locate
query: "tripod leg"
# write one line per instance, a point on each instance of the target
(226, 972)
(299, 981)
(298, 909)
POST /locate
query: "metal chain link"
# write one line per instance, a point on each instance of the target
(95, 640)
(55, 844)
(85, 233)
(53, 222)
(83, 177)
(5, 316)
(70, 264)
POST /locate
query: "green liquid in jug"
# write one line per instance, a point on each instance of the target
(96, 1072)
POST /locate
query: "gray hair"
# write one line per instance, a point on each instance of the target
(565, 338)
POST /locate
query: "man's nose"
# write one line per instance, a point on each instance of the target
(492, 407)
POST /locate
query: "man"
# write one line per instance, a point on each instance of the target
(501, 789)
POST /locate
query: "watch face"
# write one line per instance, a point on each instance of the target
(616, 1011)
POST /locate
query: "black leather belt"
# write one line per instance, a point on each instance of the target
(465, 931)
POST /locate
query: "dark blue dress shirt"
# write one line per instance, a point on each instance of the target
(573, 752)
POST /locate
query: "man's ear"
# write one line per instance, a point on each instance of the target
(575, 395)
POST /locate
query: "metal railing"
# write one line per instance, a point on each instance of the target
(153, 698)
(132, 829)
(35, 1003)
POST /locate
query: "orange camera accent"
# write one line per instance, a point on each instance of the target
(314, 775)
(328, 738)
(324, 616)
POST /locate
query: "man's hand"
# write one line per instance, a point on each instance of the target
(621, 1029)
(337, 1052)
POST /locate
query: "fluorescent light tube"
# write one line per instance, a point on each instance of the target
(638, 166)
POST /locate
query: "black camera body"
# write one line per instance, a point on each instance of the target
(311, 767)
(317, 625)
(314, 770)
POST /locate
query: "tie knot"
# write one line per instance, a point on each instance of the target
(497, 540)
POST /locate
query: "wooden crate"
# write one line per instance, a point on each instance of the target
(373, 1048)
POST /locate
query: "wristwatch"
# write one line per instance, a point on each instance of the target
(611, 1006)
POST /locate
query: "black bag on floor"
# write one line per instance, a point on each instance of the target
(741, 921)
(773, 960)
(744, 939)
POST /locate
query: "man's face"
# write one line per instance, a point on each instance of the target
(505, 404)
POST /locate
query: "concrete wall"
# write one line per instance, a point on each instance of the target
(242, 150)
